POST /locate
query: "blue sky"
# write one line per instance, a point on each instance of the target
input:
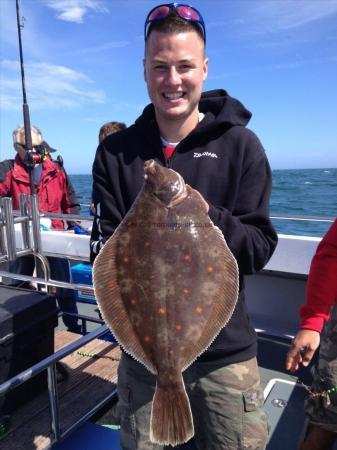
(83, 66)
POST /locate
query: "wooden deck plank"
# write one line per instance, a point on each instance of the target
(90, 380)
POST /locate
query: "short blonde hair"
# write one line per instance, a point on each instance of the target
(20, 138)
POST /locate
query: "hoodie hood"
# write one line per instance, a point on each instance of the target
(223, 109)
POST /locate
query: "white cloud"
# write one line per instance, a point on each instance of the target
(48, 87)
(75, 10)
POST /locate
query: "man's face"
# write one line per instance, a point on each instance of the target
(174, 69)
(21, 151)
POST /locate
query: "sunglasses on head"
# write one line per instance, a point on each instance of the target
(186, 12)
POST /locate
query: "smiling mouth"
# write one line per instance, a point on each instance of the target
(173, 95)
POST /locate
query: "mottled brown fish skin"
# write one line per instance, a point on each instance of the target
(166, 283)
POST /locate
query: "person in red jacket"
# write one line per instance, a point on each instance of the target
(55, 195)
(321, 303)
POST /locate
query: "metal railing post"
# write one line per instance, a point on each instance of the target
(53, 401)
(3, 246)
(24, 210)
(35, 223)
(9, 228)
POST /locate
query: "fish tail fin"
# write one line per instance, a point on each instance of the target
(171, 417)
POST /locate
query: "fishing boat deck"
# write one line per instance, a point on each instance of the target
(90, 380)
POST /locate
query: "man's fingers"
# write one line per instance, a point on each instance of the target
(302, 349)
(293, 360)
(307, 355)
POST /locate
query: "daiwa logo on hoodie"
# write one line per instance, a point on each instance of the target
(209, 154)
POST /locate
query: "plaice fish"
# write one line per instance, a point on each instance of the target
(166, 284)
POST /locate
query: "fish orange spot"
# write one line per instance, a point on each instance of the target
(133, 301)
(178, 327)
(198, 310)
(187, 258)
(146, 244)
(126, 259)
(186, 291)
(161, 311)
(210, 269)
(182, 348)
(147, 339)
(205, 236)
(112, 285)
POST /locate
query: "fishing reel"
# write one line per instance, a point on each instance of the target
(36, 156)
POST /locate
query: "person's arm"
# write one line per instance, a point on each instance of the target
(322, 283)
(69, 203)
(72, 205)
(5, 179)
(321, 294)
(107, 215)
(248, 229)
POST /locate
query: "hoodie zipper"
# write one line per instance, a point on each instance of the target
(168, 161)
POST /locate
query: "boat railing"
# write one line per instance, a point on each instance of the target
(49, 364)
(303, 218)
(29, 218)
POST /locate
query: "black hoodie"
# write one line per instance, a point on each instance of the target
(227, 164)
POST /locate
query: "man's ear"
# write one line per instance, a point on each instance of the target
(205, 69)
(144, 71)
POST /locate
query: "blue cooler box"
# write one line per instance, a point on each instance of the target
(82, 273)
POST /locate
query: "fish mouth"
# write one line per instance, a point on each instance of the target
(149, 168)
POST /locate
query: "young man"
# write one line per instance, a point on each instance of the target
(55, 195)
(203, 137)
(321, 407)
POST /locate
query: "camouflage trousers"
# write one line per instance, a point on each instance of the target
(226, 403)
(322, 411)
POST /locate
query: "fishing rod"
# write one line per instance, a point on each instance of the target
(29, 159)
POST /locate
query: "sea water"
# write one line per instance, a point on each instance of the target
(296, 193)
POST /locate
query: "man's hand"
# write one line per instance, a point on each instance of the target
(202, 199)
(302, 349)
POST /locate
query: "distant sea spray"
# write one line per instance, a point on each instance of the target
(304, 192)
